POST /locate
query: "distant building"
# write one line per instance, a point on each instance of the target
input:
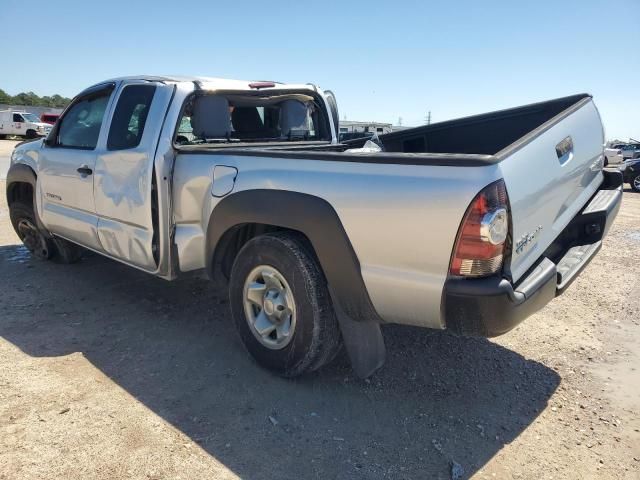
(348, 126)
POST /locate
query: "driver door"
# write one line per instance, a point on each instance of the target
(66, 166)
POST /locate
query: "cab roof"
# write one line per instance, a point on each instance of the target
(209, 83)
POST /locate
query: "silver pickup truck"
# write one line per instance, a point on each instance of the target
(469, 225)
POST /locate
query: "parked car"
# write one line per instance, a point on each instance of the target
(49, 118)
(619, 152)
(631, 173)
(630, 150)
(23, 124)
(613, 155)
(318, 245)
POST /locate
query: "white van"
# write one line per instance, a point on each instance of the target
(24, 124)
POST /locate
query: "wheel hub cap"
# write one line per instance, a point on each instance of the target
(269, 307)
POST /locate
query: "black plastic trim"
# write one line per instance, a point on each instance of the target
(384, 158)
(311, 216)
(492, 306)
(21, 173)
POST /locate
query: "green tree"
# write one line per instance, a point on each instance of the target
(31, 99)
(58, 101)
(5, 97)
(46, 101)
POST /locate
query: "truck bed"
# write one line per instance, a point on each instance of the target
(549, 155)
(477, 140)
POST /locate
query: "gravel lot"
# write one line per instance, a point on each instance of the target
(106, 372)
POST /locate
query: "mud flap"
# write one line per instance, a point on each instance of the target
(364, 343)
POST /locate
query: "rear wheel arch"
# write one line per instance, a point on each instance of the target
(244, 215)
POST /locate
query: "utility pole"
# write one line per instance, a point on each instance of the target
(399, 121)
(428, 118)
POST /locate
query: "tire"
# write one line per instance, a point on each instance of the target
(284, 260)
(31, 134)
(40, 246)
(635, 183)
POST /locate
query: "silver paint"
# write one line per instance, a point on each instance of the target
(546, 193)
(224, 178)
(402, 220)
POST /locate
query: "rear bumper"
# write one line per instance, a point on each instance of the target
(492, 306)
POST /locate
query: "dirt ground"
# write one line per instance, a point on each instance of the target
(108, 373)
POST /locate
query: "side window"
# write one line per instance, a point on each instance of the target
(17, 118)
(80, 127)
(130, 117)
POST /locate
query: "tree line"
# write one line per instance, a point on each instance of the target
(32, 100)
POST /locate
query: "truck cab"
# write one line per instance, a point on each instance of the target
(23, 124)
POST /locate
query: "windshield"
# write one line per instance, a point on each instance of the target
(248, 117)
(30, 117)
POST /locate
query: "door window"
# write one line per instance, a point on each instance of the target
(80, 126)
(130, 117)
(17, 118)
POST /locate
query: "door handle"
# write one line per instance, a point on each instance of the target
(84, 170)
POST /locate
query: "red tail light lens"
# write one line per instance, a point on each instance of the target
(483, 235)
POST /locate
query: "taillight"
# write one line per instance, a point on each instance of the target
(483, 235)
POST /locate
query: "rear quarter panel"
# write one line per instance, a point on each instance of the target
(402, 220)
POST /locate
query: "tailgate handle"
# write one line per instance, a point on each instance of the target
(564, 150)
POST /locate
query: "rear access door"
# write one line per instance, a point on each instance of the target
(124, 186)
(550, 175)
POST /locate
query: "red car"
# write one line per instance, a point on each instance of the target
(49, 118)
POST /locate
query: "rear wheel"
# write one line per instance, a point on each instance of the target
(635, 183)
(281, 305)
(40, 245)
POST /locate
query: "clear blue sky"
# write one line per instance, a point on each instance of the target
(383, 59)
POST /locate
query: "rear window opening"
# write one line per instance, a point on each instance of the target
(235, 118)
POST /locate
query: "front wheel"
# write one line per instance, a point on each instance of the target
(635, 183)
(31, 134)
(281, 305)
(40, 245)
